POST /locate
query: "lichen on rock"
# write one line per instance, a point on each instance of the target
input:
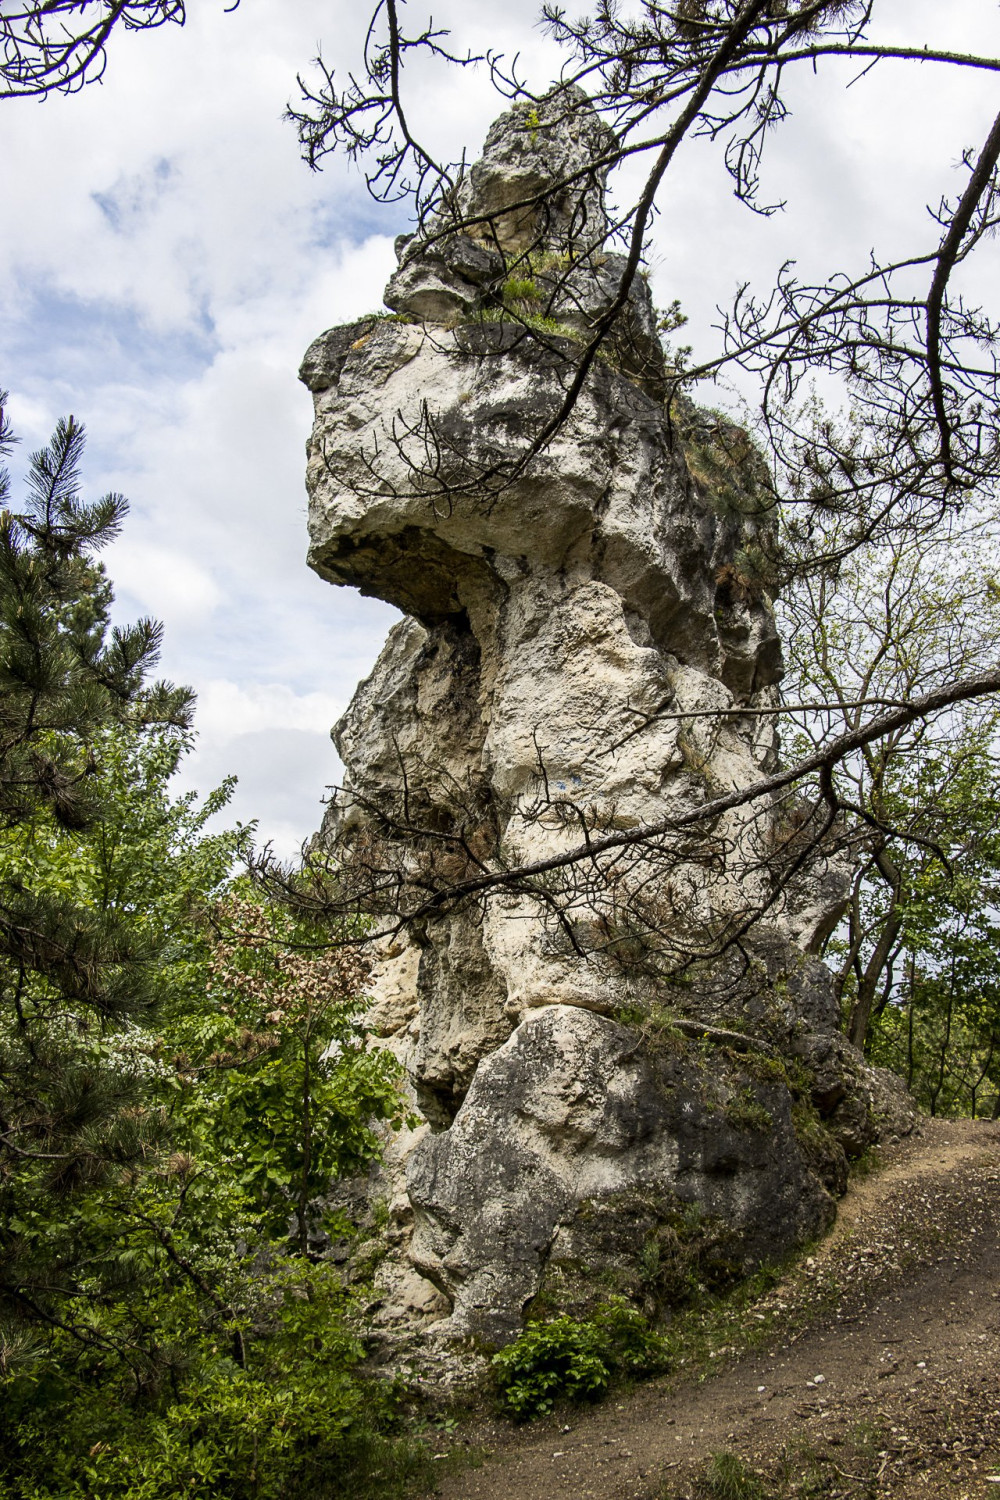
(581, 648)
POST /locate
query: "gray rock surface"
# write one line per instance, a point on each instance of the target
(575, 622)
(570, 1126)
(553, 148)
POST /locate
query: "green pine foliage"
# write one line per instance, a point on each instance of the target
(77, 967)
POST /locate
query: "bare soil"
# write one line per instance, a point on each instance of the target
(873, 1371)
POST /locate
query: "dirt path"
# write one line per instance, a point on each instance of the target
(883, 1378)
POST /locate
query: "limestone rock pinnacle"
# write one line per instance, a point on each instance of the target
(584, 640)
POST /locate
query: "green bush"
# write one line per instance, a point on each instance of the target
(570, 1359)
(232, 1437)
(630, 1346)
(556, 1361)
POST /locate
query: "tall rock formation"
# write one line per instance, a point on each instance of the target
(575, 622)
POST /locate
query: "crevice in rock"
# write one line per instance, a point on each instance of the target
(439, 1106)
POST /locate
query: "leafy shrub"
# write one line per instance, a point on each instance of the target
(231, 1436)
(630, 1345)
(569, 1359)
(549, 1362)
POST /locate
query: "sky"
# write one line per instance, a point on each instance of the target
(166, 257)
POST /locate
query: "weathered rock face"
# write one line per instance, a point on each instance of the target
(569, 1117)
(575, 623)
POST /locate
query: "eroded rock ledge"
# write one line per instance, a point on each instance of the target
(569, 628)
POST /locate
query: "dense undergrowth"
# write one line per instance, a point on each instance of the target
(296, 1420)
(564, 1359)
(576, 1359)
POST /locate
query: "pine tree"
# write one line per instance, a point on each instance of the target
(72, 975)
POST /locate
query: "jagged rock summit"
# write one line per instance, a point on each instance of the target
(575, 619)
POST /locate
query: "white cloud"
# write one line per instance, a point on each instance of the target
(283, 776)
(226, 709)
(276, 742)
(163, 583)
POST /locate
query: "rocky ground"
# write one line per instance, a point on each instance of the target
(871, 1370)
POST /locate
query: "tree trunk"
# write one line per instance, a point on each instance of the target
(909, 1026)
(857, 1029)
